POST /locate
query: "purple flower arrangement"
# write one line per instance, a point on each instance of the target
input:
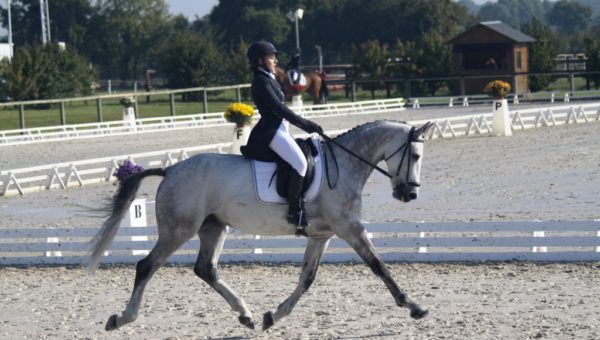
(128, 168)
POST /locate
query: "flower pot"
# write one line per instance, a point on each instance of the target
(240, 137)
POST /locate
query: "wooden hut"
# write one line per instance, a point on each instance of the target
(489, 51)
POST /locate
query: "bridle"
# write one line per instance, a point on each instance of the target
(406, 154)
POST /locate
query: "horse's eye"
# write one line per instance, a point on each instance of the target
(416, 157)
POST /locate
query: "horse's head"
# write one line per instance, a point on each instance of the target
(403, 157)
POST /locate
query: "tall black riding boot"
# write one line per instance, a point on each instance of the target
(296, 214)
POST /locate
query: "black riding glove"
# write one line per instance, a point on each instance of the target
(311, 127)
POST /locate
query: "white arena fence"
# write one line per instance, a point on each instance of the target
(145, 125)
(404, 241)
(465, 101)
(79, 173)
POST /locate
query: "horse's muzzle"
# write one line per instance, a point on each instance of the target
(406, 192)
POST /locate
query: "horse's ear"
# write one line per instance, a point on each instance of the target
(420, 133)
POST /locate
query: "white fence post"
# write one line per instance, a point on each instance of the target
(297, 101)
(516, 99)
(465, 102)
(422, 249)
(136, 218)
(53, 253)
(257, 250)
(567, 100)
(537, 249)
(451, 103)
(416, 104)
(552, 98)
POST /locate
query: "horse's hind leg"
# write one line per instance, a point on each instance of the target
(356, 236)
(312, 255)
(165, 246)
(212, 237)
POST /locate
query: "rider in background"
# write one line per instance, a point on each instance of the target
(270, 138)
(294, 67)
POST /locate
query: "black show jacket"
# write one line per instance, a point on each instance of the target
(270, 102)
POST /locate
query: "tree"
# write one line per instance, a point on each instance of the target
(514, 12)
(336, 25)
(237, 67)
(68, 21)
(45, 72)
(190, 60)
(570, 17)
(541, 52)
(250, 20)
(371, 60)
(123, 35)
(436, 60)
(470, 5)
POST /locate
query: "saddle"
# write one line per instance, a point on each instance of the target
(271, 178)
(282, 173)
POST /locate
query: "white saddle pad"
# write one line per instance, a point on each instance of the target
(263, 171)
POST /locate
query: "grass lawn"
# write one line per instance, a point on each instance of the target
(78, 112)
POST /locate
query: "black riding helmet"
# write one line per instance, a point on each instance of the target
(259, 49)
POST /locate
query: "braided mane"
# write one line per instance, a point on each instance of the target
(366, 125)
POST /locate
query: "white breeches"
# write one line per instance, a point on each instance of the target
(285, 146)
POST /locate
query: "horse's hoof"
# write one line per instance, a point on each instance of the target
(418, 313)
(111, 324)
(246, 321)
(268, 320)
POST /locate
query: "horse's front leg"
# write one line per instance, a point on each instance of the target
(212, 237)
(312, 255)
(356, 236)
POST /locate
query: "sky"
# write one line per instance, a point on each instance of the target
(191, 8)
(200, 8)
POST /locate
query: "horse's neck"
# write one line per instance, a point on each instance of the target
(369, 143)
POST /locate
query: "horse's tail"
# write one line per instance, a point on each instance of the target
(118, 208)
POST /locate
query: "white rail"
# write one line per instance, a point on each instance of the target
(145, 125)
(406, 241)
(79, 173)
(468, 125)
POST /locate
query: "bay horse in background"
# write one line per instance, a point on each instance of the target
(315, 86)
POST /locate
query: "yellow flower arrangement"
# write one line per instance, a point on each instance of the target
(497, 89)
(239, 113)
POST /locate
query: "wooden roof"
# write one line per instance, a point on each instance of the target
(491, 32)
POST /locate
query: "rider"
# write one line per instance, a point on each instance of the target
(294, 67)
(271, 138)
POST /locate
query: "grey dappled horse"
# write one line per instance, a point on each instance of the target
(205, 193)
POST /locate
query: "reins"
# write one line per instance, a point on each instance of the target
(374, 166)
(331, 140)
